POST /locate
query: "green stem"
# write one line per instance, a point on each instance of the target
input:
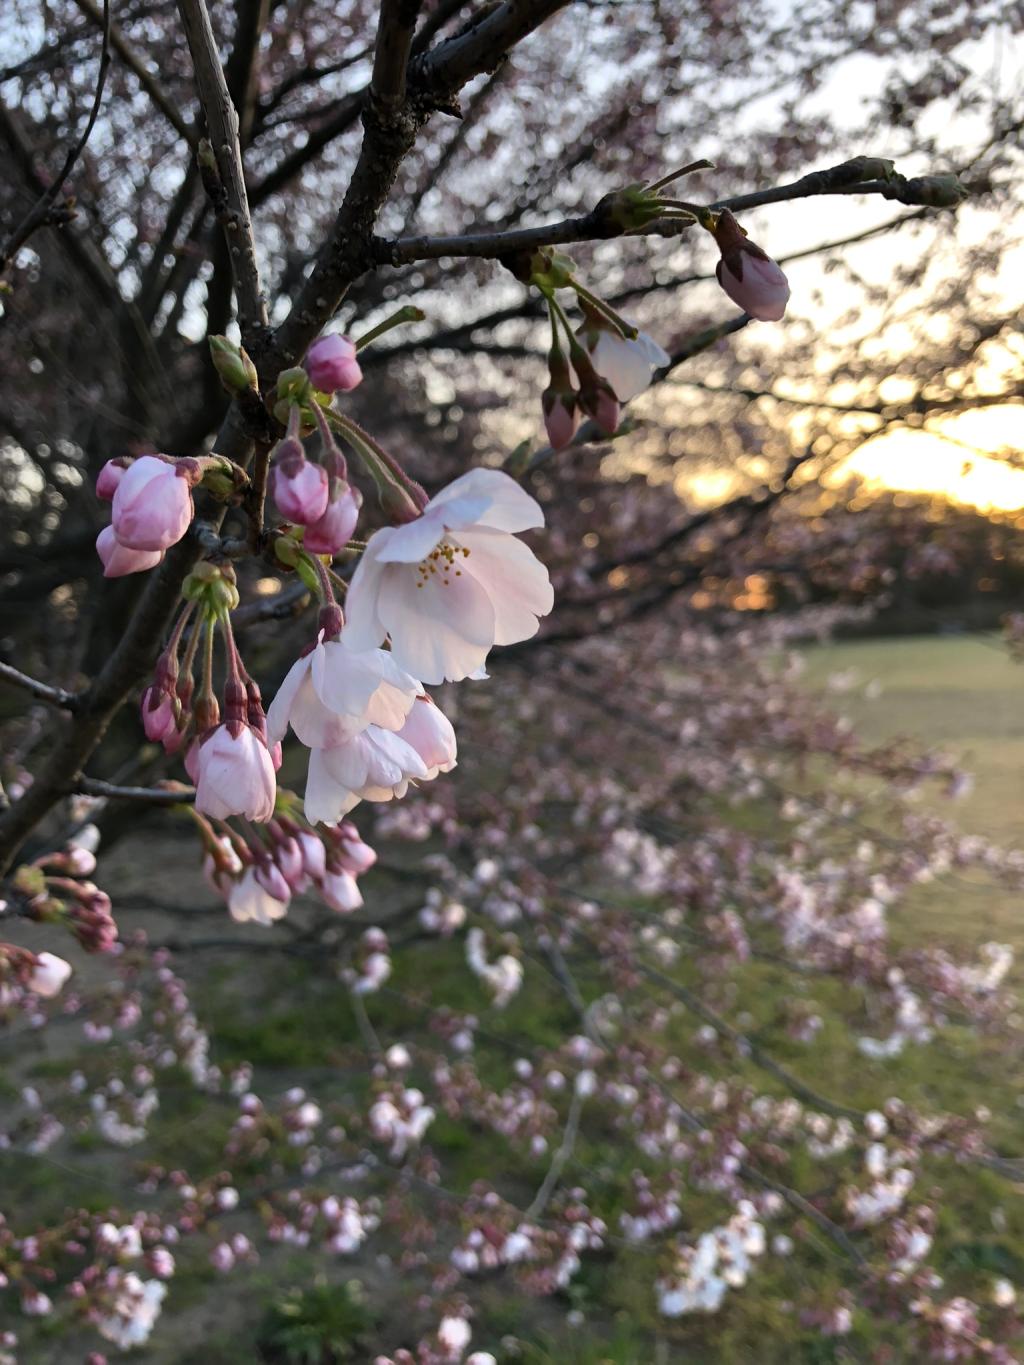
(407, 314)
(702, 165)
(599, 306)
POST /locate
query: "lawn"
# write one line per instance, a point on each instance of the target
(296, 1025)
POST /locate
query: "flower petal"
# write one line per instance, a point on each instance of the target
(509, 507)
(442, 629)
(514, 579)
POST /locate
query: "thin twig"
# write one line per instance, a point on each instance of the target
(154, 796)
(56, 696)
(223, 173)
(141, 72)
(42, 212)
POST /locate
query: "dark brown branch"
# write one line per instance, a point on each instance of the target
(391, 52)
(597, 225)
(56, 696)
(223, 172)
(433, 83)
(43, 211)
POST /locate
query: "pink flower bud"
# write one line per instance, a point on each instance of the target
(118, 560)
(601, 404)
(334, 529)
(288, 857)
(48, 975)
(108, 478)
(340, 892)
(354, 855)
(158, 718)
(331, 364)
(560, 418)
(300, 493)
(272, 880)
(152, 506)
(234, 774)
(747, 274)
(314, 855)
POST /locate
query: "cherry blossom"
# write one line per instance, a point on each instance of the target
(119, 560)
(152, 505)
(747, 274)
(429, 731)
(449, 586)
(627, 363)
(332, 365)
(235, 774)
(48, 975)
(334, 691)
(373, 765)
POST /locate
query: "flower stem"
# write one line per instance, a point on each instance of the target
(702, 165)
(407, 314)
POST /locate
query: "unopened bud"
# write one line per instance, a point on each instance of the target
(933, 191)
(237, 372)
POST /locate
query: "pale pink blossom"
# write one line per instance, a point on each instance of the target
(332, 365)
(332, 531)
(248, 901)
(314, 855)
(450, 585)
(108, 478)
(747, 274)
(235, 774)
(340, 891)
(351, 852)
(333, 692)
(627, 363)
(152, 506)
(453, 1336)
(158, 716)
(300, 490)
(118, 560)
(374, 765)
(48, 975)
(560, 418)
(429, 731)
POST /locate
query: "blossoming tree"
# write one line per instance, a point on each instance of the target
(277, 527)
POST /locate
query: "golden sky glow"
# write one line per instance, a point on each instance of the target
(965, 467)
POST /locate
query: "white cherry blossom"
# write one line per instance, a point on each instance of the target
(333, 692)
(375, 765)
(450, 585)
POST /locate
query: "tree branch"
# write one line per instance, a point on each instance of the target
(56, 696)
(141, 72)
(43, 212)
(597, 225)
(223, 173)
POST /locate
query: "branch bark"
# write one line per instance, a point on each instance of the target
(223, 172)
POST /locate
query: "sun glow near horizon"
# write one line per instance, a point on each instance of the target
(967, 463)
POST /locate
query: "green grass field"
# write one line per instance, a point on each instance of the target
(962, 694)
(965, 695)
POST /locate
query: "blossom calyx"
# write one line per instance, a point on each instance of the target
(213, 586)
(626, 210)
(219, 476)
